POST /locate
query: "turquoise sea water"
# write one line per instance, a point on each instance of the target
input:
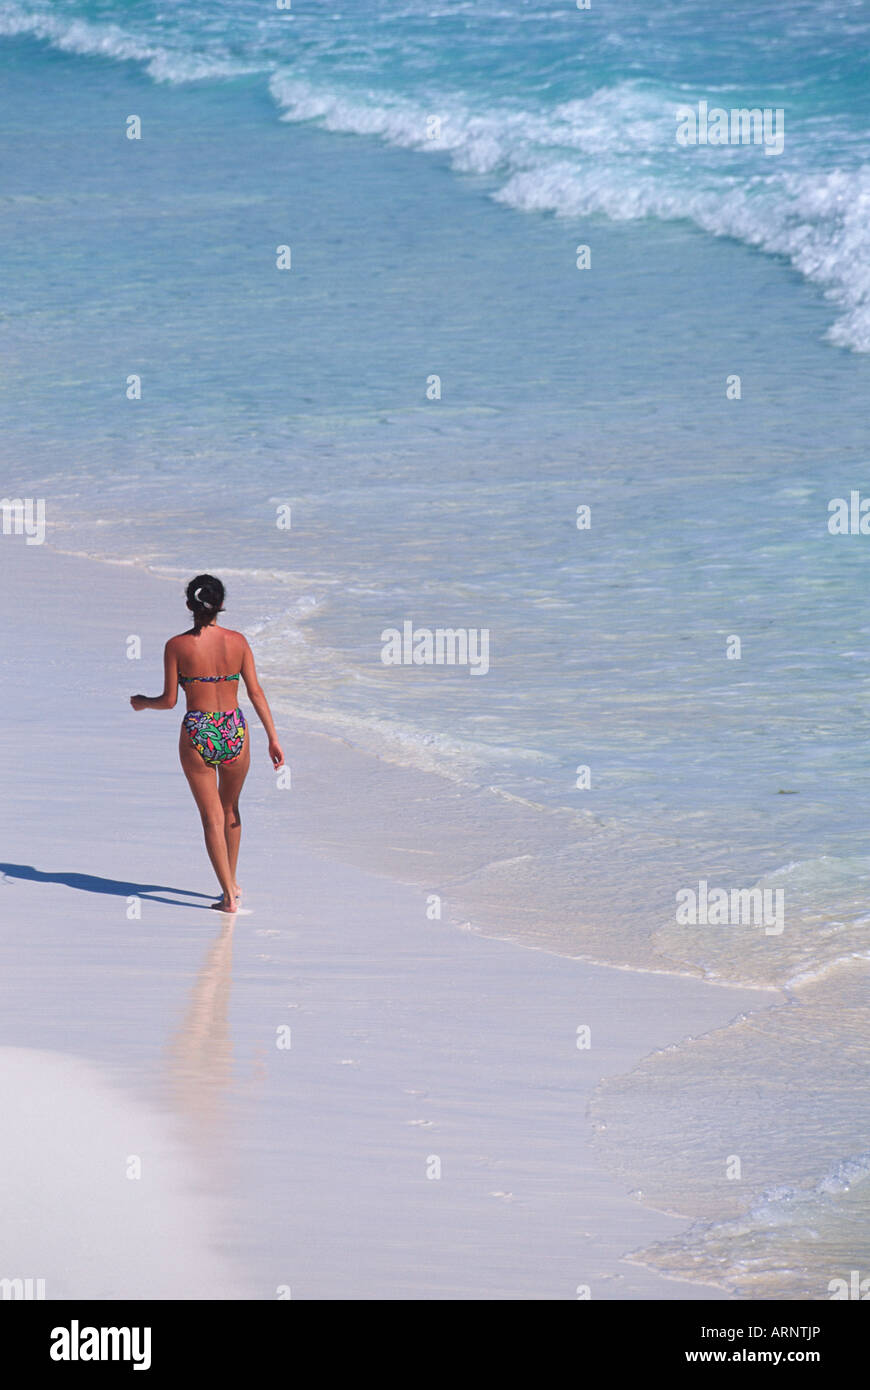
(455, 255)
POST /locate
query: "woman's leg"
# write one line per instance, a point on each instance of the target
(231, 779)
(203, 784)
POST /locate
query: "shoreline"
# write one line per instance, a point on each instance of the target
(477, 1067)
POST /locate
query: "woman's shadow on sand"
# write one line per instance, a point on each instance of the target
(88, 883)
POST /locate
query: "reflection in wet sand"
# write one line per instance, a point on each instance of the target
(199, 1056)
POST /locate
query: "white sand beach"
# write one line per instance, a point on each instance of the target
(270, 1170)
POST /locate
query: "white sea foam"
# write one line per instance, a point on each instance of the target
(162, 62)
(611, 153)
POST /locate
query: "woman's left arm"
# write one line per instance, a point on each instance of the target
(170, 684)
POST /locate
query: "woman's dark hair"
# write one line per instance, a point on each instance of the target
(205, 599)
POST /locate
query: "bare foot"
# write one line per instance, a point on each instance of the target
(225, 904)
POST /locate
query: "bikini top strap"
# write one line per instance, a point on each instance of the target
(186, 680)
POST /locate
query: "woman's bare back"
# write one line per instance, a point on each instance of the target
(213, 651)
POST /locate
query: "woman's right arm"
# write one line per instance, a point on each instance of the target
(170, 684)
(261, 705)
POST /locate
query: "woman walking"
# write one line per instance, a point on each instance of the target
(207, 662)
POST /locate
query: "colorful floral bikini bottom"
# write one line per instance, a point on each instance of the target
(218, 736)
